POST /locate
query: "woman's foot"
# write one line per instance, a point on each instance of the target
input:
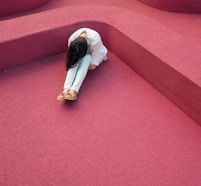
(61, 97)
(71, 95)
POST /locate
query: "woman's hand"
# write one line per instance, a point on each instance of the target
(92, 67)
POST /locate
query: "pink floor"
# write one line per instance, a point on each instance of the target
(120, 132)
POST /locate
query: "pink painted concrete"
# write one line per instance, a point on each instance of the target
(161, 55)
(121, 130)
(10, 7)
(185, 6)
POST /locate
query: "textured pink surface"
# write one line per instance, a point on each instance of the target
(120, 131)
(8, 8)
(189, 6)
(168, 60)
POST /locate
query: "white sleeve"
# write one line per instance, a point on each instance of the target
(98, 52)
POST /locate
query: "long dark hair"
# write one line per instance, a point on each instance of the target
(76, 50)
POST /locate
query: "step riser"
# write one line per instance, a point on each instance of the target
(172, 84)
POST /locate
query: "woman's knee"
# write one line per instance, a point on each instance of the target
(87, 57)
(85, 61)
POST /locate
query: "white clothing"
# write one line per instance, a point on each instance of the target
(95, 46)
(77, 74)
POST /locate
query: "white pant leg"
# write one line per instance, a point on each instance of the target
(70, 77)
(77, 74)
(81, 72)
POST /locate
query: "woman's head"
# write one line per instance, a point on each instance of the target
(76, 50)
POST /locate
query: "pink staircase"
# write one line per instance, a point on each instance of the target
(137, 118)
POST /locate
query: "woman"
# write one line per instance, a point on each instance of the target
(85, 52)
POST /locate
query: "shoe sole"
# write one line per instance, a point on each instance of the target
(70, 99)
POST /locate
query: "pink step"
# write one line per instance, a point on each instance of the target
(164, 58)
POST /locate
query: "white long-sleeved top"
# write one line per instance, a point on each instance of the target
(95, 45)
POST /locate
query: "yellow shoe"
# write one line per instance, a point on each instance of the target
(61, 97)
(71, 95)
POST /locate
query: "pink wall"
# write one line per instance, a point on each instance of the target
(10, 7)
(185, 6)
